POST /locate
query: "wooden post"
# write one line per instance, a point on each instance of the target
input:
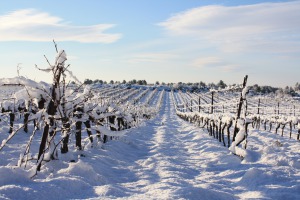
(278, 108)
(212, 102)
(78, 125)
(294, 110)
(258, 106)
(186, 106)
(11, 121)
(66, 130)
(199, 104)
(239, 109)
(228, 133)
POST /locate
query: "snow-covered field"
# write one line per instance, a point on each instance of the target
(164, 158)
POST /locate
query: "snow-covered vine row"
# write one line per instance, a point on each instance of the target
(150, 97)
(141, 95)
(127, 96)
(227, 118)
(60, 114)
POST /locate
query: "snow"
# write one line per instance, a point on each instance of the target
(164, 158)
(61, 57)
(107, 132)
(244, 92)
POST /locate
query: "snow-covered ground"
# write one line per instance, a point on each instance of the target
(164, 158)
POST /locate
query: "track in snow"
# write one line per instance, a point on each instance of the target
(166, 163)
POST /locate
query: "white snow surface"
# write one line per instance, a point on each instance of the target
(61, 57)
(165, 158)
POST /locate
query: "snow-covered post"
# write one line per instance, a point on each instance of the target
(235, 130)
(27, 113)
(291, 128)
(298, 136)
(294, 110)
(66, 129)
(78, 125)
(186, 105)
(258, 106)
(212, 102)
(228, 132)
(199, 104)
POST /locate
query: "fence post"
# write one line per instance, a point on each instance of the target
(199, 104)
(258, 106)
(239, 109)
(212, 102)
(294, 110)
(185, 106)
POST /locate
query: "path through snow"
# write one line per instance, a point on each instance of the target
(166, 163)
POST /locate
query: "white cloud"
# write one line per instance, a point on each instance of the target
(264, 26)
(33, 25)
(214, 63)
(206, 62)
(150, 57)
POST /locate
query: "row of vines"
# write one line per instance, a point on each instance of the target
(228, 114)
(60, 113)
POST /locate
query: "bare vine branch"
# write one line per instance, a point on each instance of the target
(55, 46)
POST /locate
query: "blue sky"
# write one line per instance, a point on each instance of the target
(170, 41)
